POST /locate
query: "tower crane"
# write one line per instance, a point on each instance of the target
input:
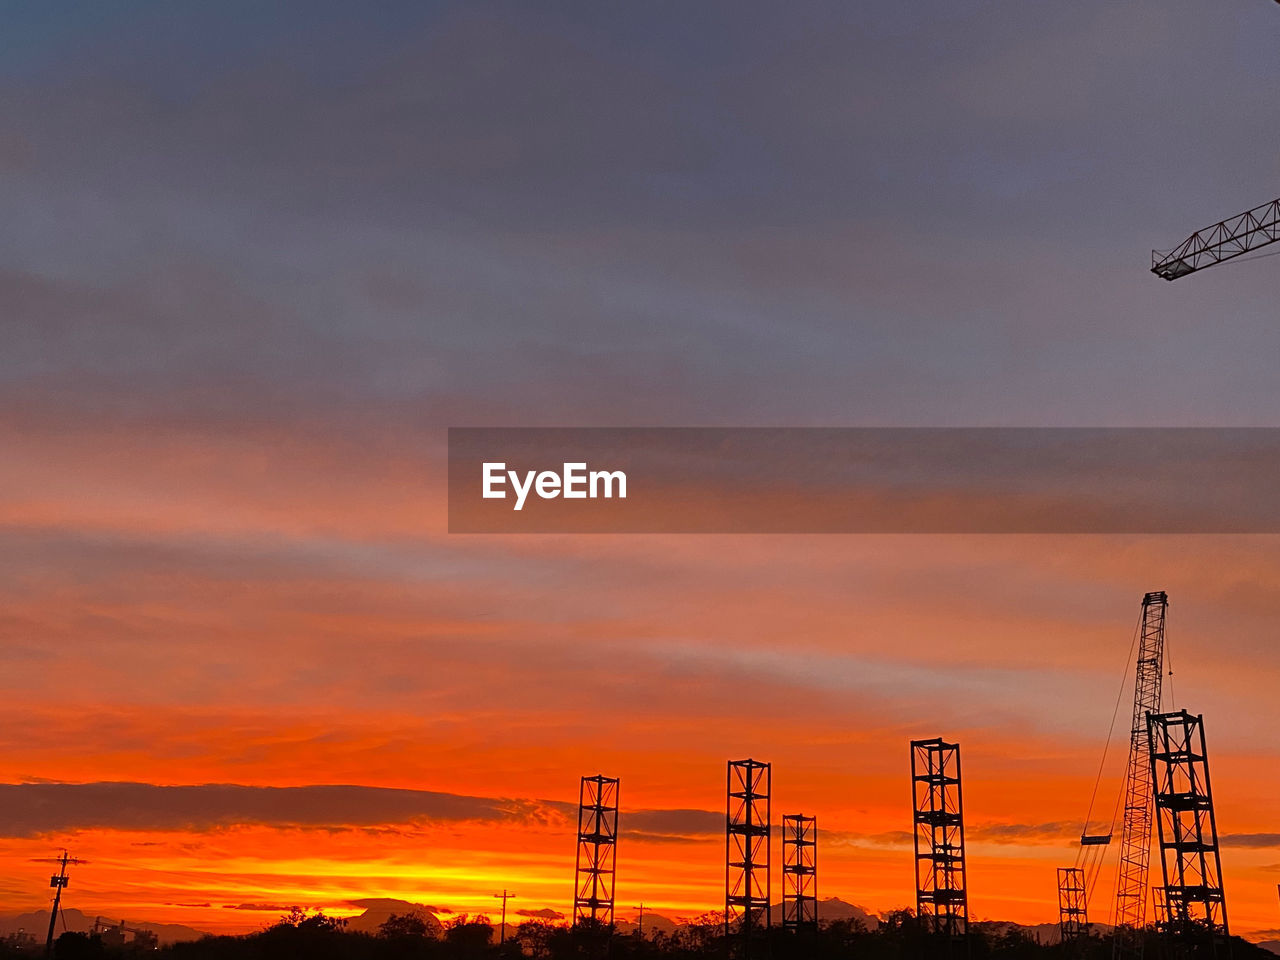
(1224, 240)
(1135, 804)
(1135, 839)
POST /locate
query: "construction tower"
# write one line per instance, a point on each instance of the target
(1073, 913)
(799, 873)
(747, 849)
(1194, 904)
(942, 902)
(597, 848)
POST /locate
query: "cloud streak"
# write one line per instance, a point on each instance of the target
(1257, 841)
(33, 809)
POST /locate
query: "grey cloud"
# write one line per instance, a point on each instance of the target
(671, 824)
(32, 809)
(1022, 832)
(1255, 840)
(998, 833)
(848, 838)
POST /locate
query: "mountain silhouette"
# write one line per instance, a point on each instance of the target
(377, 910)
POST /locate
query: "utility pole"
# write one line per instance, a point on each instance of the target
(504, 896)
(640, 922)
(59, 883)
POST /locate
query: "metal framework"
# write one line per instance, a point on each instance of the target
(1135, 841)
(597, 848)
(1073, 910)
(747, 846)
(799, 872)
(1193, 899)
(1229, 238)
(942, 901)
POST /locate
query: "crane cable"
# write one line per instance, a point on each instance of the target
(1092, 861)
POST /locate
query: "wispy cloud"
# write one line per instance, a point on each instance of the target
(1255, 840)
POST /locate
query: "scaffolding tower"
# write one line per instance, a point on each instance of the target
(942, 902)
(1073, 911)
(597, 849)
(747, 849)
(799, 873)
(1135, 839)
(1194, 904)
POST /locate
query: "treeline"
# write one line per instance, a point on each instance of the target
(413, 937)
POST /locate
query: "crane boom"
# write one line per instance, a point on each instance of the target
(1135, 844)
(1222, 241)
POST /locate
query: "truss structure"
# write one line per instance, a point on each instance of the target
(1229, 238)
(1194, 903)
(1073, 911)
(747, 849)
(597, 851)
(799, 872)
(942, 902)
(1135, 839)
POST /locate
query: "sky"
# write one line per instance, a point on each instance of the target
(256, 260)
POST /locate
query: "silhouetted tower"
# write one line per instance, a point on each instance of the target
(799, 873)
(597, 848)
(1135, 841)
(747, 848)
(1194, 903)
(942, 900)
(59, 882)
(1073, 912)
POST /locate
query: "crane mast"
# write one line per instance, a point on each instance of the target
(1226, 239)
(1135, 843)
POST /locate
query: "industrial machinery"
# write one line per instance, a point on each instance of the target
(1224, 240)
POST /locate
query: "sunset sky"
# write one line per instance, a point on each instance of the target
(258, 258)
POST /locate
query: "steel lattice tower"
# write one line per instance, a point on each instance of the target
(1192, 869)
(597, 848)
(747, 847)
(799, 872)
(1073, 912)
(1135, 841)
(942, 900)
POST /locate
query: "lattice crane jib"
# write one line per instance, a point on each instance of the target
(1224, 240)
